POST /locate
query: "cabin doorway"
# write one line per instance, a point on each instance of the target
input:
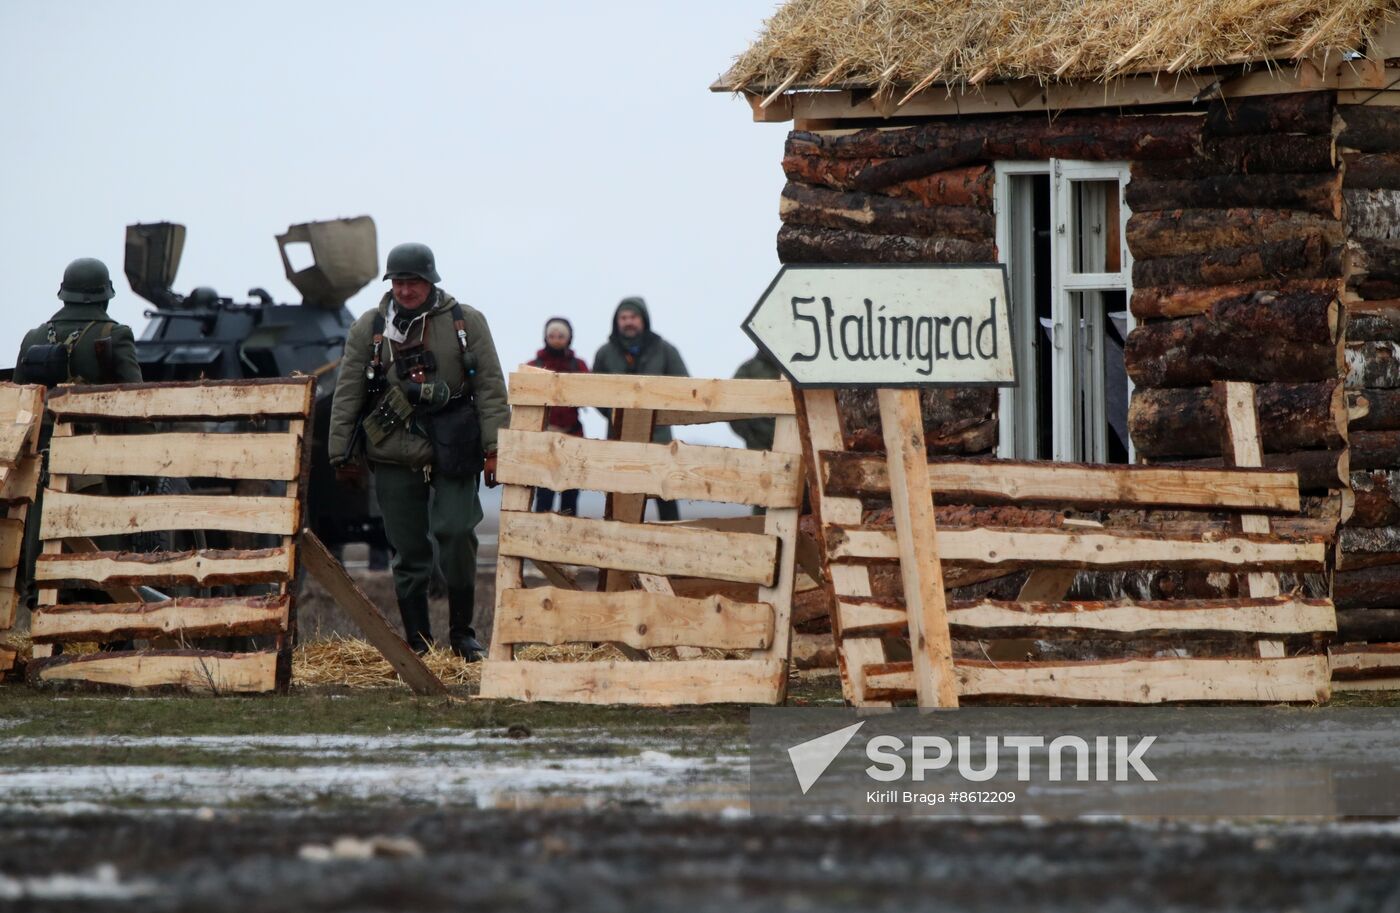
(1060, 231)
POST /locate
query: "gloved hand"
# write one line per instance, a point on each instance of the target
(351, 474)
(489, 470)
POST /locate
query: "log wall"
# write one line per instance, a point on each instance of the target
(1368, 573)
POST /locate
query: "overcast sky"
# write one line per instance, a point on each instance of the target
(557, 156)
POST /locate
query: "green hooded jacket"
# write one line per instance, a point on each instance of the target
(757, 433)
(86, 366)
(409, 446)
(654, 355)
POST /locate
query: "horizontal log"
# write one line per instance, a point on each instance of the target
(206, 567)
(1125, 681)
(1263, 115)
(1317, 193)
(68, 515)
(1379, 540)
(1194, 351)
(1377, 498)
(805, 244)
(1190, 421)
(805, 205)
(695, 681)
(1378, 664)
(1177, 232)
(1373, 214)
(21, 481)
(671, 471)
(1368, 625)
(1373, 365)
(1367, 322)
(11, 541)
(1068, 136)
(1278, 154)
(284, 397)
(1375, 449)
(1308, 257)
(190, 670)
(1092, 486)
(637, 618)
(1316, 470)
(1151, 303)
(1373, 268)
(648, 548)
(1097, 549)
(922, 164)
(639, 391)
(184, 617)
(272, 456)
(1368, 588)
(962, 187)
(1371, 170)
(1367, 128)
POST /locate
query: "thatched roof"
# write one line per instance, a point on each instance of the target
(889, 44)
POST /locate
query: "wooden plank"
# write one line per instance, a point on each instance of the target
(510, 571)
(1076, 484)
(192, 670)
(748, 523)
(8, 658)
(330, 574)
(641, 620)
(556, 575)
(206, 567)
(183, 617)
(1270, 615)
(648, 548)
(265, 397)
(274, 456)
(654, 583)
(698, 681)
(1130, 681)
(1370, 667)
(637, 426)
(860, 617)
(1047, 584)
(66, 514)
(1101, 549)
(9, 606)
(11, 541)
(666, 418)
(820, 423)
(916, 535)
(671, 471)
(641, 391)
(781, 523)
(22, 481)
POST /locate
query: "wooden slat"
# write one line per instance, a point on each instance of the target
(9, 606)
(11, 541)
(510, 571)
(192, 670)
(207, 567)
(667, 417)
(21, 408)
(697, 681)
(1075, 484)
(274, 455)
(66, 514)
(644, 547)
(8, 658)
(1276, 615)
(1098, 549)
(213, 399)
(352, 600)
(781, 523)
(1129, 681)
(670, 471)
(920, 567)
(186, 617)
(1365, 667)
(642, 620)
(556, 575)
(22, 481)
(640, 391)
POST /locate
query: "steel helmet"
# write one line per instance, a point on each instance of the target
(86, 281)
(412, 259)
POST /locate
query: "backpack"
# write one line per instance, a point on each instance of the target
(50, 363)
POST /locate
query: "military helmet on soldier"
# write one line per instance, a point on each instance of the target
(86, 281)
(203, 296)
(412, 259)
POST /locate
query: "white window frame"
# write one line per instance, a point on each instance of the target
(1065, 432)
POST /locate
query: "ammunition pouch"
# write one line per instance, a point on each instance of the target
(455, 431)
(415, 359)
(391, 413)
(46, 363)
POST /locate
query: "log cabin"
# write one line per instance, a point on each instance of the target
(1184, 192)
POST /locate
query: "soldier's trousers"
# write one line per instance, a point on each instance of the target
(416, 512)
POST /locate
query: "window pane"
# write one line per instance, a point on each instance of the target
(1101, 379)
(1095, 245)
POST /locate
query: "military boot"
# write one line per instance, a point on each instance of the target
(461, 605)
(417, 630)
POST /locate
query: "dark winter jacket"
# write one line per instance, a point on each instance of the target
(653, 355)
(562, 418)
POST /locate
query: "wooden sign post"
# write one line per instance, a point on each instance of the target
(897, 329)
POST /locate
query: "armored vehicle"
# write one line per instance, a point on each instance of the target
(204, 335)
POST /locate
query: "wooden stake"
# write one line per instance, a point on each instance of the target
(920, 569)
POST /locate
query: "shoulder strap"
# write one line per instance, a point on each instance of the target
(103, 349)
(377, 333)
(459, 322)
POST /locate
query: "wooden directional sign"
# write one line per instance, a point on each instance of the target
(887, 326)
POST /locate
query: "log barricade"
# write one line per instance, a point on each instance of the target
(1262, 646)
(697, 586)
(21, 408)
(231, 547)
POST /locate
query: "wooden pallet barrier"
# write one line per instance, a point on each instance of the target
(174, 431)
(21, 410)
(662, 585)
(1262, 646)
